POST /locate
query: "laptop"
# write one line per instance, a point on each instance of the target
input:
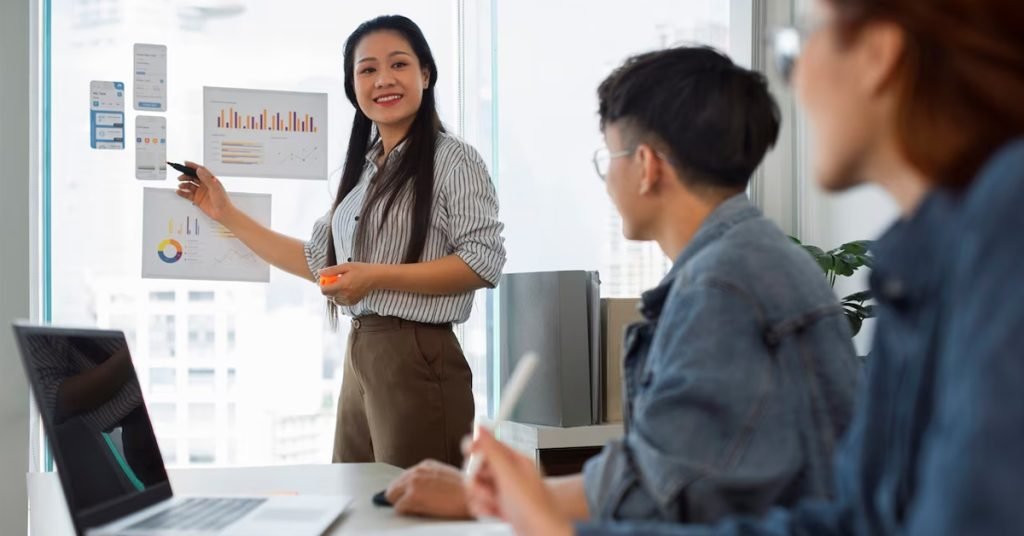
(107, 456)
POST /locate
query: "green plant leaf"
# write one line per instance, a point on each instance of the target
(843, 267)
(844, 261)
(824, 260)
(853, 308)
(855, 323)
(859, 247)
(859, 297)
(855, 261)
(815, 251)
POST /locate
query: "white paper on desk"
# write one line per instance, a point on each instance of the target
(180, 242)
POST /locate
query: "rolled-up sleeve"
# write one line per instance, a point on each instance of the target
(474, 231)
(316, 247)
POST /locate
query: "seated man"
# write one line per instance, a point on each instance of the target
(740, 380)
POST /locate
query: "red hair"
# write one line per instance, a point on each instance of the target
(960, 79)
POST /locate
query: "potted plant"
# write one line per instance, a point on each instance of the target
(844, 261)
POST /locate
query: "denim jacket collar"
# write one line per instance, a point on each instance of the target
(731, 212)
(898, 277)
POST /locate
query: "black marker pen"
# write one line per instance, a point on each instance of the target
(191, 172)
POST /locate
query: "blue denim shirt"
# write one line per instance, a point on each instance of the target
(739, 383)
(937, 443)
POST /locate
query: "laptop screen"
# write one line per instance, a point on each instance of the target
(96, 422)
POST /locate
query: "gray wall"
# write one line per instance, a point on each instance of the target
(15, 202)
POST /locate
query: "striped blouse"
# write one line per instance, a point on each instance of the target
(55, 360)
(463, 221)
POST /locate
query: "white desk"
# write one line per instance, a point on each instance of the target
(48, 513)
(532, 438)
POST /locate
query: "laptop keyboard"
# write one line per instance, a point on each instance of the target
(200, 514)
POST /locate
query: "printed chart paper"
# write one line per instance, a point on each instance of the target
(180, 242)
(150, 92)
(257, 133)
(106, 115)
(150, 148)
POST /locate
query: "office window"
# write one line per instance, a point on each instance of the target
(202, 450)
(201, 380)
(232, 380)
(164, 416)
(162, 380)
(122, 298)
(163, 412)
(96, 200)
(200, 296)
(229, 336)
(202, 417)
(557, 214)
(162, 335)
(168, 450)
(201, 331)
(508, 84)
(127, 324)
(162, 296)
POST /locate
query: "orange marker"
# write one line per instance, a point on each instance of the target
(327, 279)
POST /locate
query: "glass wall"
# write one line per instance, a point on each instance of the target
(248, 373)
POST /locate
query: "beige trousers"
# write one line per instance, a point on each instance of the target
(406, 394)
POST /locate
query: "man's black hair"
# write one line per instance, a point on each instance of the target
(713, 119)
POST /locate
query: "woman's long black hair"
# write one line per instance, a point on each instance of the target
(414, 166)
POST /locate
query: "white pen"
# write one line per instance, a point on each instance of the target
(510, 395)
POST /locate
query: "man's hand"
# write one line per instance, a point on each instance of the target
(510, 487)
(431, 489)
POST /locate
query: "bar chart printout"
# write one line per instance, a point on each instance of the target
(259, 133)
(180, 242)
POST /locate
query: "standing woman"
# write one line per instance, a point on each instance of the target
(412, 233)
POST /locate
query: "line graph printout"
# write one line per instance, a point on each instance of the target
(180, 242)
(259, 133)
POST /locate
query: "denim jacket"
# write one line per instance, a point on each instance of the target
(937, 443)
(738, 383)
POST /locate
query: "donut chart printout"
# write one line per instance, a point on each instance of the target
(180, 242)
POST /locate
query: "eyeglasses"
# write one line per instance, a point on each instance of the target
(786, 46)
(788, 42)
(603, 159)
